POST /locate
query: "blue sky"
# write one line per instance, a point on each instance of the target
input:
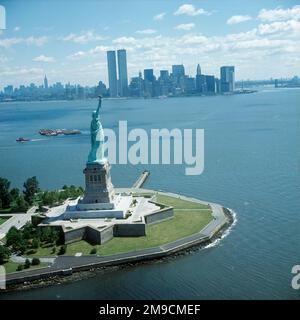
(67, 40)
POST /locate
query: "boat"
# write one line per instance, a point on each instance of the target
(21, 139)
(56, 132)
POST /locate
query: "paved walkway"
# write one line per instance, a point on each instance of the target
(19, 259)
(17, 220)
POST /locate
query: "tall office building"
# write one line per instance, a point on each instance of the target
(198, 73)
(178, 70)
(210, 84)
(149, 79)
(122, 69)
(227, 79)
(148, 75)
(112, 73)
(164, 75)
(45, 82)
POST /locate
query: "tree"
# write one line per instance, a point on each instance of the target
(35, 261)
(5, 196)
(93, 251)
(62, 249)
(35, 243)
(28, 231)
(14, 238)
(15, 192)
(4, 254)
(20, 267)
(31, 186)
(27, 264)
(19, 205)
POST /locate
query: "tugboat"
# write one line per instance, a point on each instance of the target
(21, 139)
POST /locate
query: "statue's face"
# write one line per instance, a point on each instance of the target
(94, 114)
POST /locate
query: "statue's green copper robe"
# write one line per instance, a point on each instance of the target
(96, 154)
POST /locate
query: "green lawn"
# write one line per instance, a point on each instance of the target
(44, 251)
(183, 224)
(179, 203)
(12, 267)
(3, 219)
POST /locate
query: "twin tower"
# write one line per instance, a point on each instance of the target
(118, 87)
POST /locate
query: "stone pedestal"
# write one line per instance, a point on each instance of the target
(99, 191)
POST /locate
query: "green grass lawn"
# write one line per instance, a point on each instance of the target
(177, 203)
(12, 267)
(183, 224)
(44, 250)
(3, 219)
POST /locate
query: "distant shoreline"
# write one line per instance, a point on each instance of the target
(247, 91)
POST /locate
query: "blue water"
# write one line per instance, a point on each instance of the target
(251, 166)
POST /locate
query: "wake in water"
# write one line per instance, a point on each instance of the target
(226, 233)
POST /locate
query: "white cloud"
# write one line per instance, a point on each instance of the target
(190, 10)
(77, 55)
(8, 42)
(291, 26)
(83, 37)
(17, 28)
(238, 19)
(22, 71)
(125, 40)
(84, 54)
(185, 26)
(159, 16)
(146, 31)
(280, 14)
(43, 58)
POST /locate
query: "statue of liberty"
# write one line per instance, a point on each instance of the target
(96, 154)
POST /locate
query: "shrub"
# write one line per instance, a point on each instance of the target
(35, 243)
(53, 250)
(35, 261)
(4, 254)
(20, 267)
(62, 249)
(27, 264)
(93, 251)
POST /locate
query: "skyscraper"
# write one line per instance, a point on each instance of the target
(45, 82)
(112, 73)
(148, 75)
(148, 82)
(178, 70)
(227, 79)
(198, 70)
(122, 69)
(210, 84)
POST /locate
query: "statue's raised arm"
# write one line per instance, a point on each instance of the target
(99, 105)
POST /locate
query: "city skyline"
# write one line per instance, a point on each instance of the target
(254, 39)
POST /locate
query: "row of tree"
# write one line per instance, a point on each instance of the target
(50, 198)
(30, 238)
(14, 199)
(18, 201)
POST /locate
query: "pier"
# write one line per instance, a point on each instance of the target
(141, 180)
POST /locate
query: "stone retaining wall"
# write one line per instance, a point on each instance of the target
(129, 230)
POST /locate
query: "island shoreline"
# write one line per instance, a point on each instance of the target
(78, 275)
